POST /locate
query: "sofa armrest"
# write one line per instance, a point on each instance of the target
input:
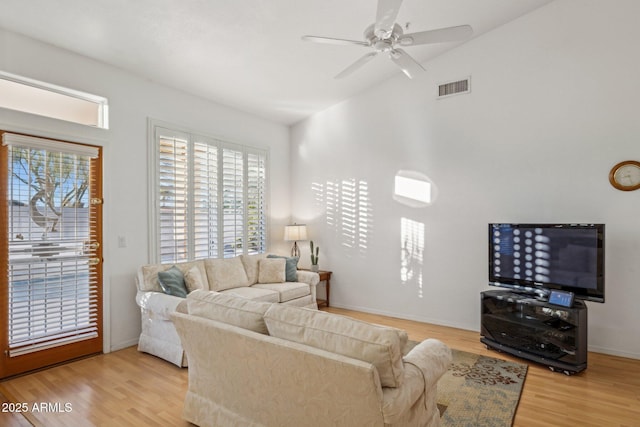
(433, 358)
(157, 304)
(423, 366)
(309, 277)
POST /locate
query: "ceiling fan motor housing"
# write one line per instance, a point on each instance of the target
(383, 44)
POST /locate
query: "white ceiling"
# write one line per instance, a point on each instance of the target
(246, 53)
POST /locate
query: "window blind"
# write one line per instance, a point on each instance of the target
(54, 281)
(211, 198)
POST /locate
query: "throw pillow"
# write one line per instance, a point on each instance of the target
(193, 279)
(227, 273)
(250, 263)
(291, 267)
(172, 282)
(271, 270)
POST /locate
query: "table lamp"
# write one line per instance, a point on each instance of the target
(293, 233)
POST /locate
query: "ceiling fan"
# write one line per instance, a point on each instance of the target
(384, 36)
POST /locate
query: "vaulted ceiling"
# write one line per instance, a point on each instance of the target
(247, 54)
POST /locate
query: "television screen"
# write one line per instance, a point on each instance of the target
(536, 257)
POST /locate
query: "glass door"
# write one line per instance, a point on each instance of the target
(51, 293)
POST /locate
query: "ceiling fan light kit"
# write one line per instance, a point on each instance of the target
(385, 34)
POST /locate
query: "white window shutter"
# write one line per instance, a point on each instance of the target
(172, 198)
(256, 203)
(232, 202)
(205, 201)
(211, 198)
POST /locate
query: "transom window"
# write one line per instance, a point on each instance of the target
(209, 197)
(45, 99)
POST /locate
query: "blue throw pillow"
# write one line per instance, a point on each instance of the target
(172, 282)
(290, 267)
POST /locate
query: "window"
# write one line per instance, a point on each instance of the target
(209, 197)
(45, 99)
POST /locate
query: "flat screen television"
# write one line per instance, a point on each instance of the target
(538, 258)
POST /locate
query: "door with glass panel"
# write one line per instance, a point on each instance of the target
(51, 268)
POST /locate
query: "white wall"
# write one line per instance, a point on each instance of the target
(131, 101)
(554, 105)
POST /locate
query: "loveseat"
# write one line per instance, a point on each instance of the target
(253, 363)
(257, 277)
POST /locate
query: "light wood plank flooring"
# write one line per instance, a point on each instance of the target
(128, 388)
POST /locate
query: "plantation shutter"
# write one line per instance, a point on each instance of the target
(232, 202)
(173, 190)
(205, 191)
(256, 203)
(54, 270)
(211, 198)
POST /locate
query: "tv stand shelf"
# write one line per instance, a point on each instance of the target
(526, 327)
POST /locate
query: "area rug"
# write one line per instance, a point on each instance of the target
(479, 390)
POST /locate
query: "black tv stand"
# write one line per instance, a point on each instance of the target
(521, 325)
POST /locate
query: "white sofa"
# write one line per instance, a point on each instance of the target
(259, 364)
(239, 276)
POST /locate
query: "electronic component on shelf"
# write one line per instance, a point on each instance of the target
(561, 298)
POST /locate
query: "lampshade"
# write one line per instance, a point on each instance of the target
(295, 232)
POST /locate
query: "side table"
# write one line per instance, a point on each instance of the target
(325, 276)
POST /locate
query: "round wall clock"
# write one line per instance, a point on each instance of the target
(625, 175)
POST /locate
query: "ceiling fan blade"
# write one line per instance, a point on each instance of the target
(410, 67)
(386, 17)
(441, 35)
(331, 40)
(353, 67)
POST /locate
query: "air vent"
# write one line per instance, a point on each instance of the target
(454, 88)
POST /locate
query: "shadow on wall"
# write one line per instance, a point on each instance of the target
(348, 213)
(348, 218)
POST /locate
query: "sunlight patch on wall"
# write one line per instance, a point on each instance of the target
(413, 189)
(349, 205)
(412, 252)
(364, 215)
(348, 212)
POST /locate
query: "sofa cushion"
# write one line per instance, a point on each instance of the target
(287, 290)
(253, 293)
(194, 280)
(225, 273)
(306, 301)
(292, 267)
(374, 344)
(229, 309)
(250, 263)
(271, 270)
(172, 282)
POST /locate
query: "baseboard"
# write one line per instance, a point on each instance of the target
(432, 321)
(613, 352)
(123, 344)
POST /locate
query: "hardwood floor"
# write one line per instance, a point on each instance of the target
(128, 388)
